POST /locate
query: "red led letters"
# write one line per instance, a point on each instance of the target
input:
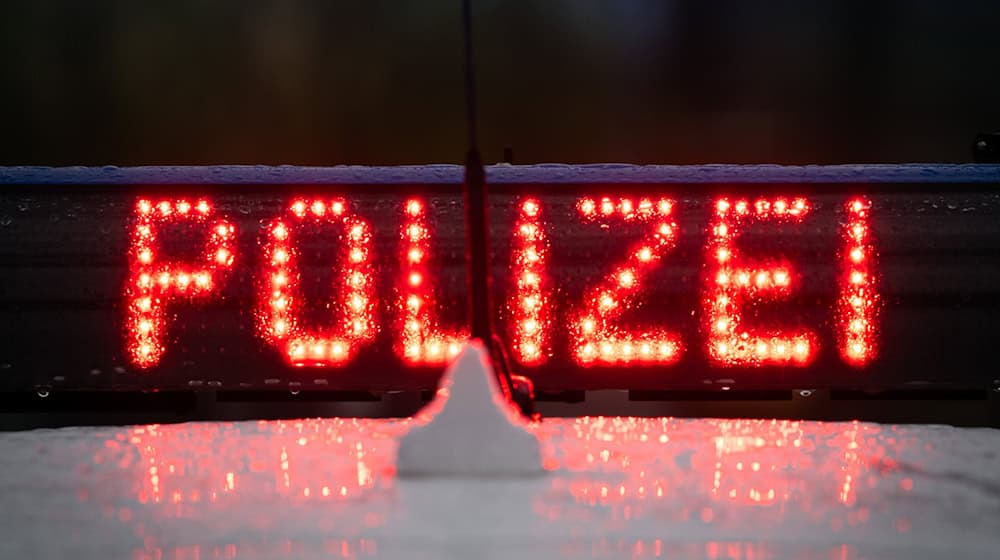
(422, 340)
(279, 294)
(857, 308)
(593, 331)
(599, 339)
(732, 284)
(529, 305)
(153, 283)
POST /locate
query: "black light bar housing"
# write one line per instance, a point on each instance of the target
(66, 237)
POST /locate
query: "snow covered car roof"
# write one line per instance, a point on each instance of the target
(616, 487)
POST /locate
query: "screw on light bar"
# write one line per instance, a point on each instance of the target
(280, 301)
(600, 339)
(857, 306)
(529, 304)
(422, 339)
(152, 284)
(732, 284)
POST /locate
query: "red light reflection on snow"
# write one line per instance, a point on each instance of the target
(757, 472)
(330, 548)
(606, 547)
(327, 476)
(283, 488)
(214, 462)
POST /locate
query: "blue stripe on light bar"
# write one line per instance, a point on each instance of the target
(509, 174)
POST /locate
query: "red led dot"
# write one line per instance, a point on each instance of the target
(529, 230)
(530, 208)
(280, 232)
(223, 256)
(357, 231)
(414, 208)
(416, 233)
(607, 207)
(626, 207)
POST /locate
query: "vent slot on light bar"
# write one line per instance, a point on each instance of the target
(683, 288)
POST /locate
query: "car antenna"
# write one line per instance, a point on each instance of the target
(476, 220)
(474, 187)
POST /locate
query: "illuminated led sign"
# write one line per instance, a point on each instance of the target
(364, 288)
(733, 283)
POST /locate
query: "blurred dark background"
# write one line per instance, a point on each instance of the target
(379, 82)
